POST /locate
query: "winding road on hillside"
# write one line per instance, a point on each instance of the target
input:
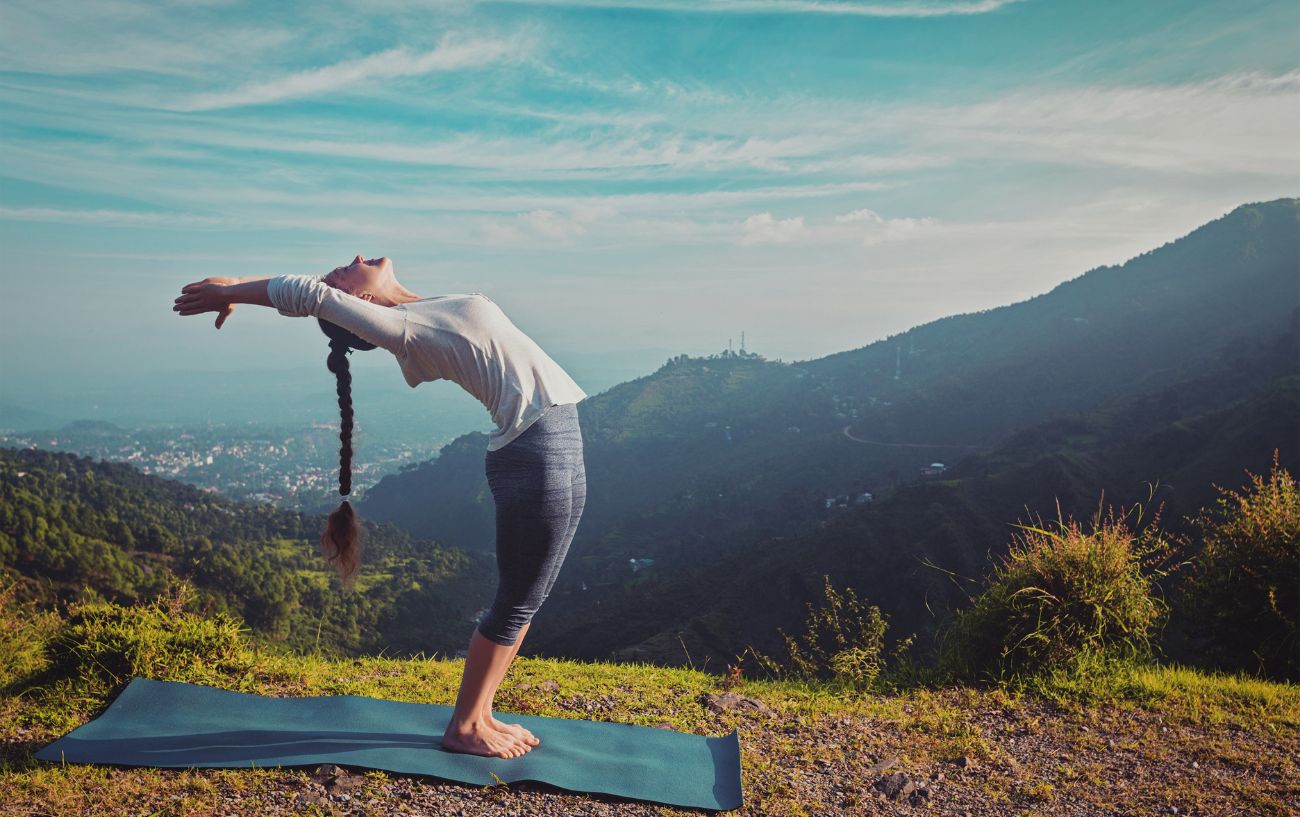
(909, 445)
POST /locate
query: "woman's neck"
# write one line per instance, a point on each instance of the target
(396, 297)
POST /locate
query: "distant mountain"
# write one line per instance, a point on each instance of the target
(16, 419)
(898, 551)
(1111, 332)
(698, 463)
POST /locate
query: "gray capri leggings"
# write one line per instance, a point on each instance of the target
(539, 483)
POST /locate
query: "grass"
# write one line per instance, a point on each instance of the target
(1036, 746)
(1185, 693)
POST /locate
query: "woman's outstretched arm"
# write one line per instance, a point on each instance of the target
(249, 291)
(299, 296)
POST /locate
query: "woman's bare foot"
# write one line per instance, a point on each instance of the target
(515, 729)
(481, 738)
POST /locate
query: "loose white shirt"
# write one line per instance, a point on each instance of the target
(466, 339)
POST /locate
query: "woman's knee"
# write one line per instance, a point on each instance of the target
(504, 627)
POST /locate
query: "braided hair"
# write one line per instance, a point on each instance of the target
(341, 542)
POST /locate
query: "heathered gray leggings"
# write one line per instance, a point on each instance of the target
(539, 482)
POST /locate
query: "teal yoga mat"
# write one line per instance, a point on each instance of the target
(171, 724)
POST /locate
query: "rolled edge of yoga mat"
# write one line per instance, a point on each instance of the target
(174, 724)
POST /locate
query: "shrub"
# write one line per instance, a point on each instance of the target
(843, 641)
(104, 643)
(1060, 595)
(24, 631)
(1242, 598)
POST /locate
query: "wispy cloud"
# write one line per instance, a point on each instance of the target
(449, 55)
(762, 228)
(1237, 123)
(70, 37)
(900, 8)
(876, 229)
(991, 150)
(547, 223)
(119, 218)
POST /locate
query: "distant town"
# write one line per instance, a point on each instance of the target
(292, 467)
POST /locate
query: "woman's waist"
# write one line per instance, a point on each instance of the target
(557, 428)
(557, 419)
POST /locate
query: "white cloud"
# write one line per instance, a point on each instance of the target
(1238, 123)
(762, 228)
(449, 55)
(72, 37)
(859, 215)
(123, 218)
(898, 8)
(875, 229)
(549, 224)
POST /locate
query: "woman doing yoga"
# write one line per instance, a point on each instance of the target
(534, 462)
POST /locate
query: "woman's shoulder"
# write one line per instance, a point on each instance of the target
(453, 297)
(460, 310)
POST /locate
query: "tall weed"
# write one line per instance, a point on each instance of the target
(1060, 593)
(1242, 597)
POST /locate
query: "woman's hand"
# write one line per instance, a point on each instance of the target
(208, 295)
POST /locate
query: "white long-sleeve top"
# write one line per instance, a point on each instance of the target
(466, 339)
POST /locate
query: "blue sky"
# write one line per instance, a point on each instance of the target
(659, 174)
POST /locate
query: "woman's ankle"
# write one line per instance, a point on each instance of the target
(465, 726)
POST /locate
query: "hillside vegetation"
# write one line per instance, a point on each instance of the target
(1049, 698)
(1151, 738)
(76, 529)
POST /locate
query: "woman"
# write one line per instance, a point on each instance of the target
(534, 459)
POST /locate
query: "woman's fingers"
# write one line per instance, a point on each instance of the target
(223, 314)
(204, 296)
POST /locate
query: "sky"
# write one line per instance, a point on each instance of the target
(619, 176)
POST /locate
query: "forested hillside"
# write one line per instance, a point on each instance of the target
(79, 529)
(921, 551)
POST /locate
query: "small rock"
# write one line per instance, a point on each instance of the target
(883, 766)
(896, 785)
(344, 784)
(1195, 765)
(329, 770)
(731, 701)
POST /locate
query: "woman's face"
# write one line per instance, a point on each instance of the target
(362, 275)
